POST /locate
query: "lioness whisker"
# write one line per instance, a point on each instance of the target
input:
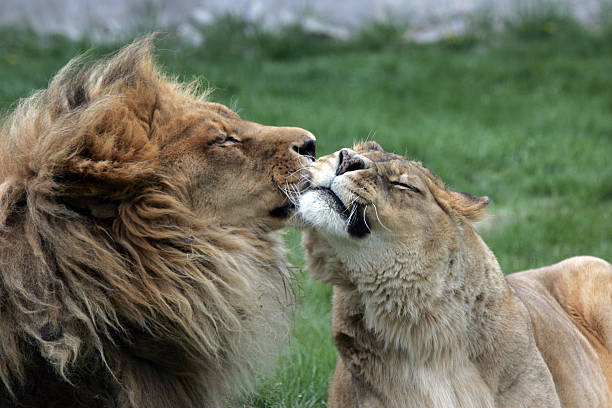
(364, 216)
(353, 211)
(378, 218)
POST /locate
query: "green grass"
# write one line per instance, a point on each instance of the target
(524, 117)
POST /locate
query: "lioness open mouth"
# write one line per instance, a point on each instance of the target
(354, 215)
(358, 224)
(335, 201)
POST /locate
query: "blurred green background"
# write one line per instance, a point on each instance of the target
(523, 116)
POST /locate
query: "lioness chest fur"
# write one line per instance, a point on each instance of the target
(422, 314)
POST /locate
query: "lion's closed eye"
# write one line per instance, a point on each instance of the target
(222, 140)
(232, 139)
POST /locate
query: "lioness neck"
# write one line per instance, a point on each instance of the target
(437, 303)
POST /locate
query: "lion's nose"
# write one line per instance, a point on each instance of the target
(348, 161)
(307, 148)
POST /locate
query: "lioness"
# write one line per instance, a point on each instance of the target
(138, 261)
(422, 314)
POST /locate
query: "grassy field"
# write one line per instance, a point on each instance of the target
(524, 117)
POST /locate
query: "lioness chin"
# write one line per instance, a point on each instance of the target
(139, 264)
(422, 314)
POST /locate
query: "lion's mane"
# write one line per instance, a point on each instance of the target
(107, 279)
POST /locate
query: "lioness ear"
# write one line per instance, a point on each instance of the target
(468, 206)
(464, 205)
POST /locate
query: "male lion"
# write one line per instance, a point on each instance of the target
(138, 263)
(422, 315)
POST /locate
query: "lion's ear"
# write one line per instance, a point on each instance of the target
(95, 208)
(97, 188)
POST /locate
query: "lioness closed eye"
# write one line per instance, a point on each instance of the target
(422, 314)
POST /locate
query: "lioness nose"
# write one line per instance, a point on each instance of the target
(348, 161)
(307, 148)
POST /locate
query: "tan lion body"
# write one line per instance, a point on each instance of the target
(422, 314)
(139, 266)
(570, 306)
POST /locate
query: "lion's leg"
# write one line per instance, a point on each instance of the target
(348, 391)
(341, 393)
(532, 387)
(366, 398)
(583, 287)
(147, 385)
(571, 311)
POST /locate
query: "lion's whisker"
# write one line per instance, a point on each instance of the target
(297, 171)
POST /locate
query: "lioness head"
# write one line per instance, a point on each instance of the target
(365, 203)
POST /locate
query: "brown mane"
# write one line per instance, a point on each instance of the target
(101, 258)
